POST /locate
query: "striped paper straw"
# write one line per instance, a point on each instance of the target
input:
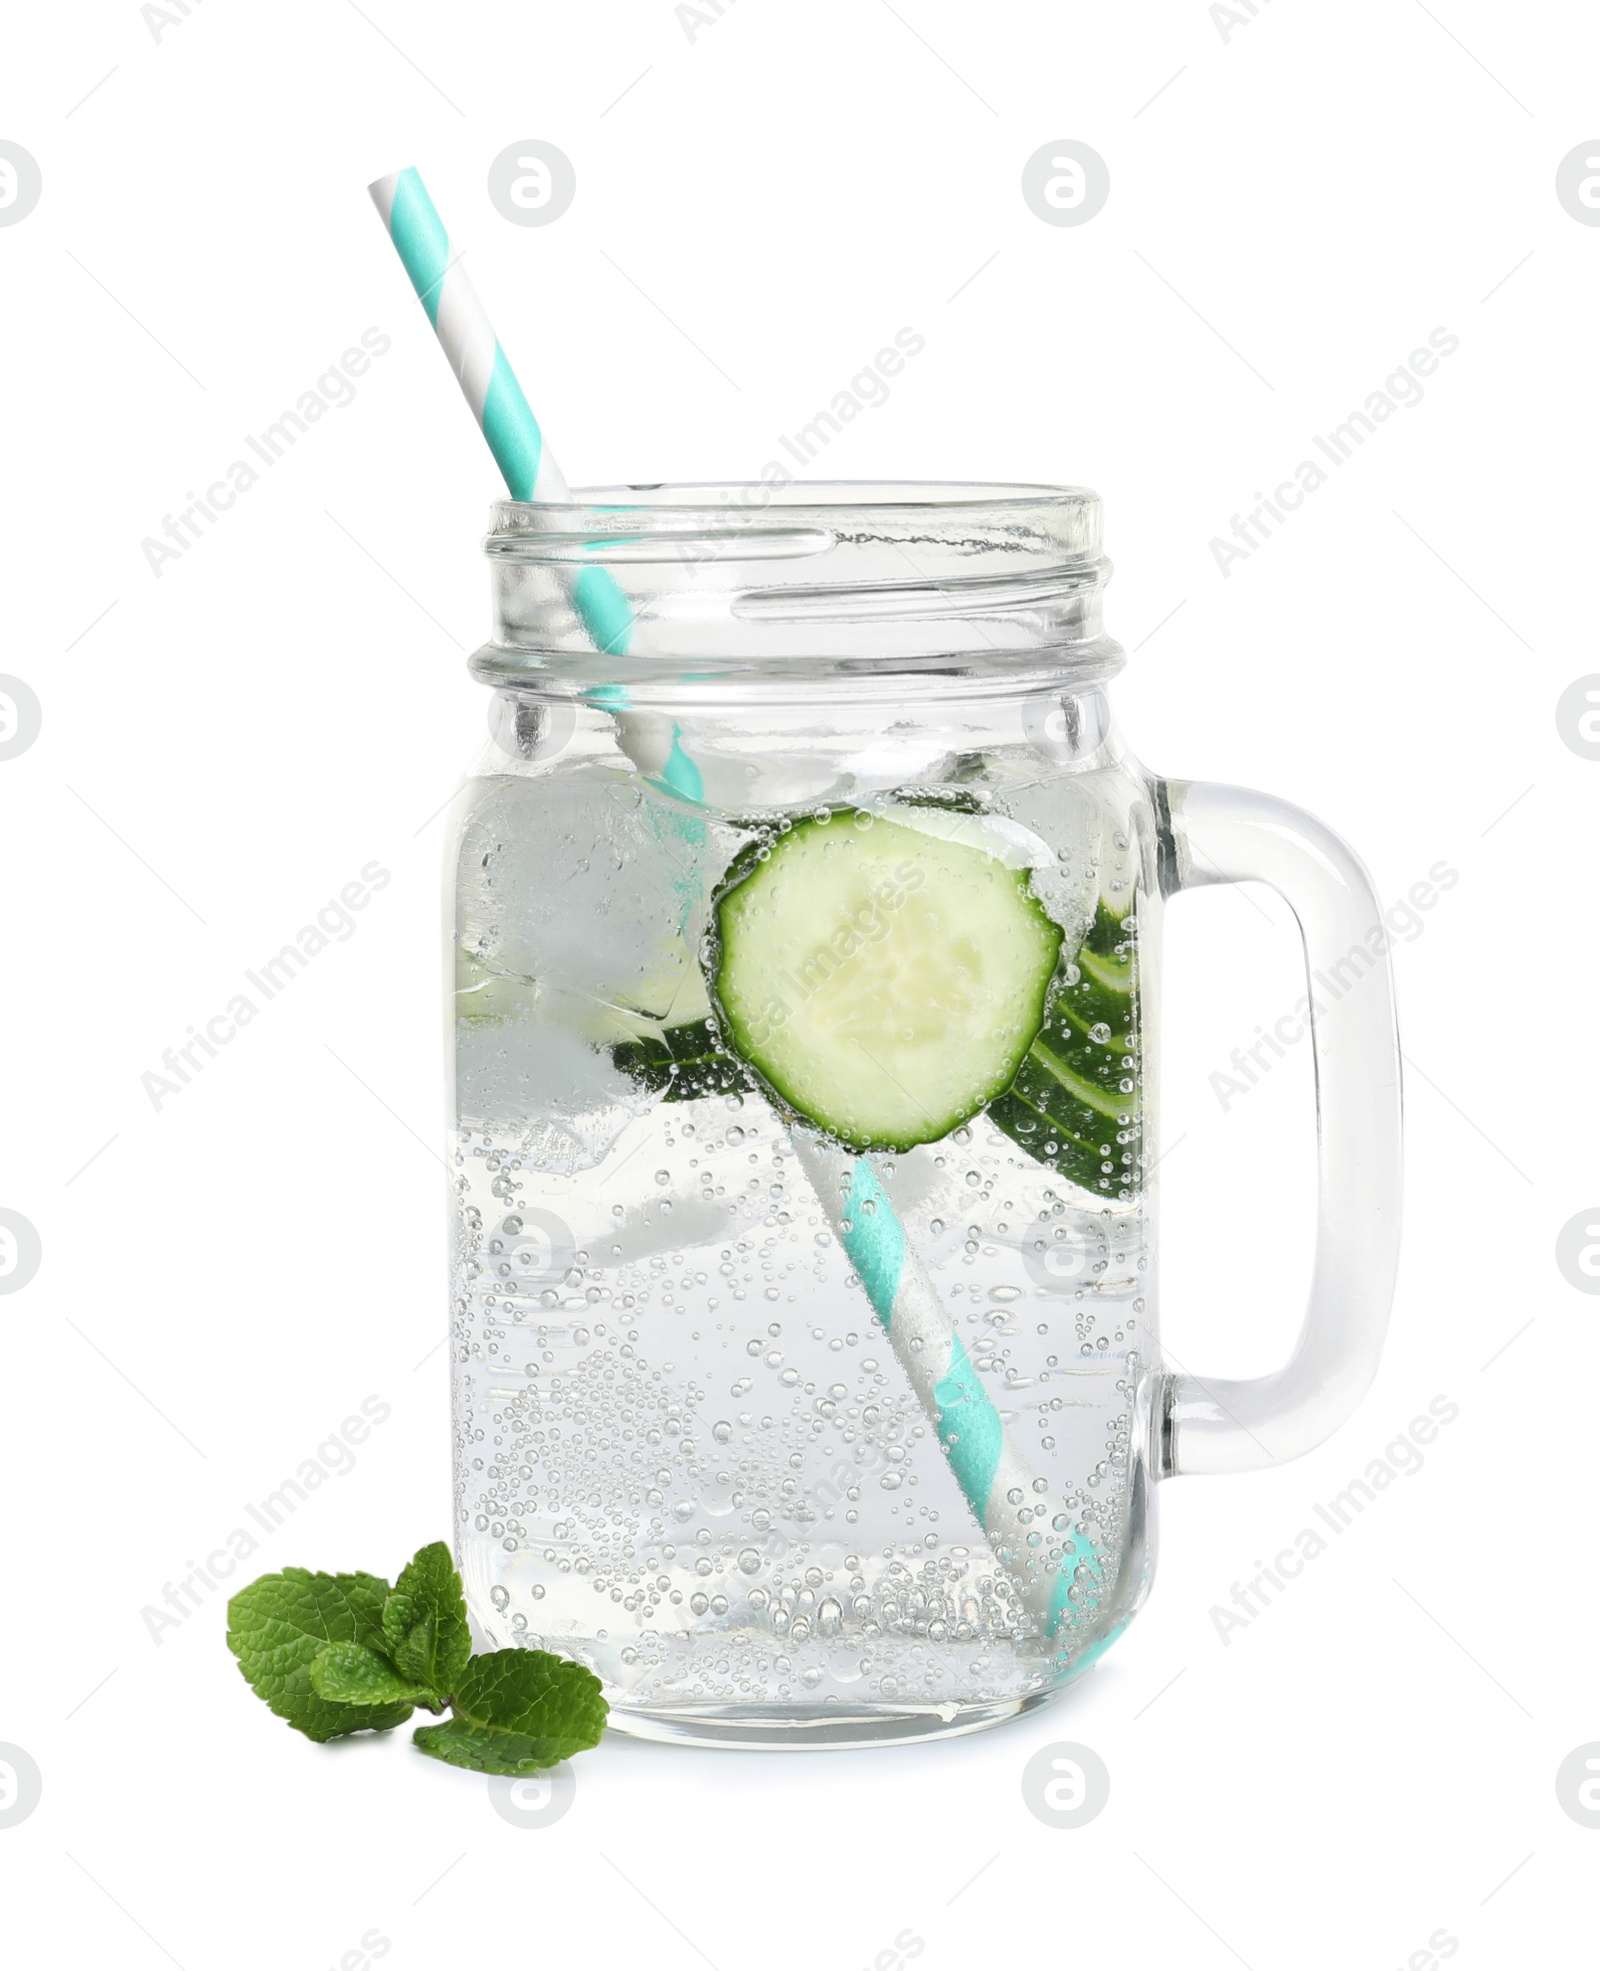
(1018, 1519)
(1028, 1531)
(504, 416)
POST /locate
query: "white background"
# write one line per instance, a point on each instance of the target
(1370, 1761)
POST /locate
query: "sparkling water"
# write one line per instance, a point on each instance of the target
(687, 1455)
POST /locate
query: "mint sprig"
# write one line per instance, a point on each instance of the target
(333, 1654)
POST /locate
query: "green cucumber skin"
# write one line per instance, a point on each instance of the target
(1067, 1091)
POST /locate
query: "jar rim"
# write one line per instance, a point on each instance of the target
(721, 495)
(807, 577)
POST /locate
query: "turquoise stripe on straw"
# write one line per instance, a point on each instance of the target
(606, 615)
(874, 1241)
(508, 421)
(420, 239)
(680, 775)
(518, 444)
(969, 1427)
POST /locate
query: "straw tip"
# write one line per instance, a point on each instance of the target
(382, 190)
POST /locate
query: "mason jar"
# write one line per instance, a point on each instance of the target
(805, 944)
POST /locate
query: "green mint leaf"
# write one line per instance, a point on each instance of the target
(516, 1711)
(400, 1616)
(414, 1654)
(486, 1750)
(425, 1620)
(350, 1673)
(685, 1063)
(277, 1625)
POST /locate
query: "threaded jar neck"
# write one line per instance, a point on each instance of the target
(977, 586)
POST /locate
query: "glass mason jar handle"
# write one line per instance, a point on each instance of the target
(1231, 835)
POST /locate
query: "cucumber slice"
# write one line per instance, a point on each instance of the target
(1077, 1101)
(885, 981)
